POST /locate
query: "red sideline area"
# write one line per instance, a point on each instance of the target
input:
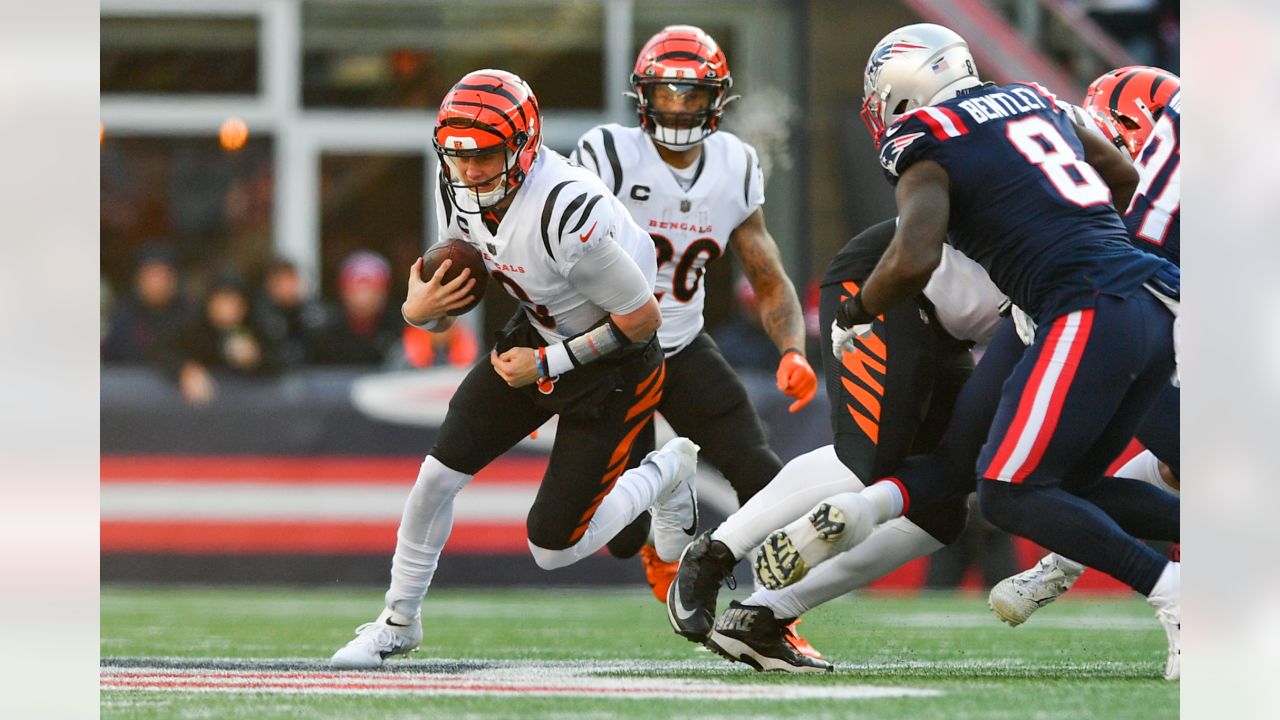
(378, 538)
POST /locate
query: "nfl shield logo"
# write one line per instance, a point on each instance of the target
(684, 206)
(493, 249)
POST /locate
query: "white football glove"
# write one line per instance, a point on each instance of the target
(842, 338)
(1025, 326)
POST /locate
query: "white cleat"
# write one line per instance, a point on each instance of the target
(1015, 598)
(675, 510)
(377, 641)
(835, 525)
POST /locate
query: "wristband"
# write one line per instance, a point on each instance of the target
(853, 312)
(558, 360)
(540, 361)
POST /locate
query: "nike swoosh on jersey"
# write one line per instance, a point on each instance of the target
(587, 235)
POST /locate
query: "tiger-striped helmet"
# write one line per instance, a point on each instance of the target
(683, 59)
(1126, 102)
(487, 112)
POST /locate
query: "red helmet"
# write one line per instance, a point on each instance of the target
(1125, 103)
(682, 58)
(486, 112)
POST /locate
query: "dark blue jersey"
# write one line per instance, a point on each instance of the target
(1153, 216)
(1024, 203)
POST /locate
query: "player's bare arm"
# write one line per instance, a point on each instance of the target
(924, 208)
(519, 366)
(430, 301)
(779, 305)
(1113, 165)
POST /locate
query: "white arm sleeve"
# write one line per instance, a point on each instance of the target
(611, 279)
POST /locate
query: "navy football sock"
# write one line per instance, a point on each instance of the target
(1140, 509)
(931, 479)
(1071, 526)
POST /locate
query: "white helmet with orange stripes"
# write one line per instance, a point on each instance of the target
(912, 67)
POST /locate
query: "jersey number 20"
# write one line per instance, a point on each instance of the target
(1083, 187)
(680, 285)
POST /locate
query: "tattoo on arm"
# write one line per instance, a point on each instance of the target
(779, 306)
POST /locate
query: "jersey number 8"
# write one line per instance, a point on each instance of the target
(1084, 186)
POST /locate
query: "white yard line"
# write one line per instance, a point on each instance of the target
(456, 677)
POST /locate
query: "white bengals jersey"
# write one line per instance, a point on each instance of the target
(690, 228)
(560, 212)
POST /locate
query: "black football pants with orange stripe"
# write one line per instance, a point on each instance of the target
(893, 396)
(603, 411)
(704, 400)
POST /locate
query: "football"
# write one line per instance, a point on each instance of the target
(463, 255)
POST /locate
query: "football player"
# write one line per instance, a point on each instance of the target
(1028, 195)
(582, 346)
(698, 190)
(1139, 110)
(891, 394)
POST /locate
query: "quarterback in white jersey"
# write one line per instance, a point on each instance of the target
(699, 191)
(563, 216)
(582, 346)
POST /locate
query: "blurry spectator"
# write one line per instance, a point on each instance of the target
(365, 327)
(1133, 23)
(219, 339)
(284, 316)
(144, 321)
(456, 347)
(742, 338)
(982, 546)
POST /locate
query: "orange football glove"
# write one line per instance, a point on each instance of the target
(796, 378)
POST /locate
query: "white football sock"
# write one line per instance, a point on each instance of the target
(890, 546)
(886, 500)
(1145, 467)
(634, 492)
(424, 528)
(801, 484)
(1069, 567)
(1167, 587)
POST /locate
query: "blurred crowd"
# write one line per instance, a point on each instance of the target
(261, 327)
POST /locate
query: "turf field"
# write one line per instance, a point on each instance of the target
(572, 653)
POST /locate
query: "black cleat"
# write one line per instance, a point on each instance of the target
(751, 634)
(691, 599)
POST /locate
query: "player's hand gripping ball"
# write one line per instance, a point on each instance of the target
(463, 255)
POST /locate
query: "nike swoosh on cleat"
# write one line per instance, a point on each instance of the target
(693, 528)
(679, 608)
(587, 235)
